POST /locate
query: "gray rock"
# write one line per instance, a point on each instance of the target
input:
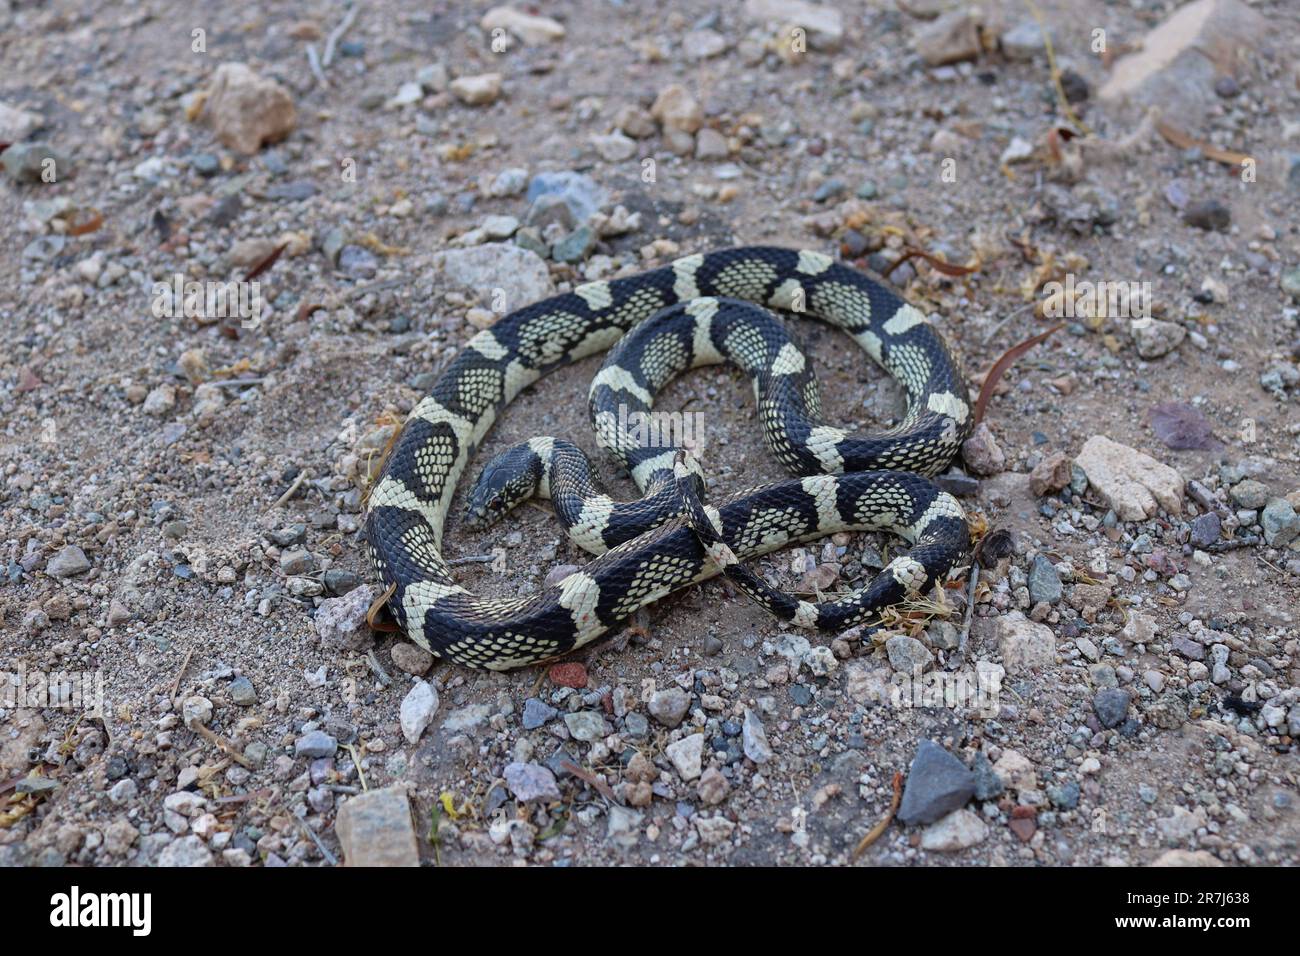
(1023, 42)
(1280, 522)
(297, 561)
(537, 713)
(623, 827)
(68, 562)
(1111, 706)
(315, 744)
(1155, 338)
(28, 162)
(937, 784)
(358, 262)
(1206, 529)
(531, 781)
(341, 622)
(988, 785)
(576, 246)
(1044, 582)
(1065, 796)
(1290, 282)
(242, 692)
(467, 718)
(17, 124)
(580, 193)
(669, 706)
(1208, 214)
(375, 829)
(636, 725)
(1250, 494)
(754, 739)
(509, 182)
(586, 725)
(907, 655)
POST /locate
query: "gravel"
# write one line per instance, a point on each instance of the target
(212, 474)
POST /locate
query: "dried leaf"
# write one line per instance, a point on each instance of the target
(1182, 427)
(993, 547)
(84, 221)
(306, 308)
(266, 262)
(589, 778)
(1001, 365)
(1184, 141)
(939, 265)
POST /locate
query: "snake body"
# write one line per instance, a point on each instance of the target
(409, 502)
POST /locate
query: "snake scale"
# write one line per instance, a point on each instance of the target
(651, 548)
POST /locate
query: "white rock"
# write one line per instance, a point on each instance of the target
(17, 124)
(1025, 645)
(418, 708)
(520, 274)
(529, 28)
(407, 94)
(187, 851)
(1016, 770)
(1018, 151)
(953, 37)
(1132, 483)
(702, 44)
(1024, 41)
(824, 24)
(477, 90)
(959, 830)
(1181, 824)
(614, 147)
(687, 755)
(676, 109)
(1196, 858)
(247, 111)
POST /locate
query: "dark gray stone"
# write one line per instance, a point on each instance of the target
(1111, 706)
(537, 713)
(1206, 529)
(1044, 582)
(988, 785)
(937, 784)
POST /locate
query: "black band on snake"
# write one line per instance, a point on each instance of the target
(410, 499)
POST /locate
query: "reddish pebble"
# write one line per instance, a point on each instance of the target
(1024, 828)
(569, 675)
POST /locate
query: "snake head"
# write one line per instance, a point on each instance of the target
(505, 482)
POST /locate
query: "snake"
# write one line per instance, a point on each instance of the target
(881, 485)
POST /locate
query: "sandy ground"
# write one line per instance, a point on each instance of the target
(115, 440)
